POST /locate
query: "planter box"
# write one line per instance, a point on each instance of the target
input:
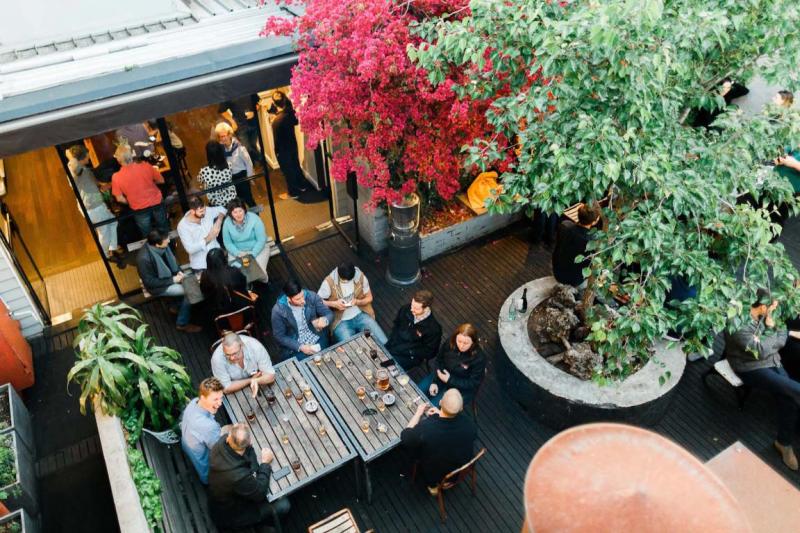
(451, 237)
(28, 525)
(20, 420)
(561, 400)
(22, 492)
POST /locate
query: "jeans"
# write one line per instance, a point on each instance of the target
(144, 220)
(107, 233)
(243, 190)
(349, 328)
(185, 310)
(787, 396)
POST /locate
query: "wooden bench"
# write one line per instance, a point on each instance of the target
(183, 496)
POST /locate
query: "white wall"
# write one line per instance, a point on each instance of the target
(15, 295)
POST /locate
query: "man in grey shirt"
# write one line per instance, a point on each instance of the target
(241, 361)
(752, 352)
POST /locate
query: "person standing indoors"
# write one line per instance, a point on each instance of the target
(93, 201)
(216, 173)
(416, 333)
(238, 160)
(459, 365)
(198, 231)
(299, 319)
(286, 146)
(752, 352)
(136, 184)
(244, 234)
(346, 292)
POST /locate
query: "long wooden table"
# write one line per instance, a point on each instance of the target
(338, 387)
(318, 454)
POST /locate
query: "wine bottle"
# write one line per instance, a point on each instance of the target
(523, 303)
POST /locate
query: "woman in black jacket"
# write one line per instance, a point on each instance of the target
(224, 287)
(460, 364)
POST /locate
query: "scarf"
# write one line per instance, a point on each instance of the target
(234, 147)
(164, 260)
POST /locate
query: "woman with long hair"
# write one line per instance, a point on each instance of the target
(216, 173)
(224, 287)
(460, 365)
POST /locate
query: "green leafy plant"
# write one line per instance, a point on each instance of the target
(8, 469)
(14, 526)
(121, 368)
(149, 488)
(600, 111)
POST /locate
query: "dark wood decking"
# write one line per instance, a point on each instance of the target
(470, 285)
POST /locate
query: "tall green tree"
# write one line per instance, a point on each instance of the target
(611, 120)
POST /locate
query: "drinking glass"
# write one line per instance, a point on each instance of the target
(365, 425)
(287, 391)
(339, 363)
(368, 374)
(295, 462)
(251, 416)
(307, 390)
(322, 431)
(285, 417)
(383, 379)
(270, 394)
(361, 392)
(381, 427)
(367, 333)
(246, 261)
(317, 359)
(381, 405)
(285, 438)
(373, 353)
(326, 357)
(298, 395)
(402, 379)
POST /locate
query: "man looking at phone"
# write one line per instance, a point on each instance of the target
(198, 231)
(752, 352)
(238, 483)
(299, 319)
(241, 361)
(346, 292)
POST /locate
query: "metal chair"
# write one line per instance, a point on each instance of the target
(452, 479)
(243, 320)
(164, 437)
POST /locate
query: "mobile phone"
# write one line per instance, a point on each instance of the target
(281, 473)
(387, 363)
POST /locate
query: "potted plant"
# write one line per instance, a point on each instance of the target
(17, 475)
(17, 522)
(14, 416)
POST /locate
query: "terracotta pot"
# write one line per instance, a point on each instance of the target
(612, 477)
(3, 509)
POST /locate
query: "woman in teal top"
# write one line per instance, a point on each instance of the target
(244, 234)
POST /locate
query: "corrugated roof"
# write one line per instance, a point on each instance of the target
(189, 27)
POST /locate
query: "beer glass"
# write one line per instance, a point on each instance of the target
(364, 425)
(368, 374)
(361, 392)
(383, 379)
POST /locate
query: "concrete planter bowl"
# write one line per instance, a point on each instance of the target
(560, 400)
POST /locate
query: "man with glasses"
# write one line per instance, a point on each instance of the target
(241, 361)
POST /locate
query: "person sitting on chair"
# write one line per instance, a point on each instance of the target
(346, 292)
(198, 231)
(243, 234)
(416, 333)
(238, 484)
(199, 430)
(299, 319)
(241, 361)
(459, 365)
(224, 287)
(161, 276)
(442, 442)
(752, 352)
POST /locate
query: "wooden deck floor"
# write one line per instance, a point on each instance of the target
(470, 285)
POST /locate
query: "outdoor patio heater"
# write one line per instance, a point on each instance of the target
(404, 256)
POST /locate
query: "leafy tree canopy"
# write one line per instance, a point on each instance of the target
(620, 77)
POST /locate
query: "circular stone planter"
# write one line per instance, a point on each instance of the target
(561, 400)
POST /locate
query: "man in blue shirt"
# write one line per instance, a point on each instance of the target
(199, 430)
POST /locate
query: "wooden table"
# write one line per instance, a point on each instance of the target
(318, 455)
(338, 387)
(769, 502)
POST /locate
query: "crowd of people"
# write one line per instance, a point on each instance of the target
(439, 437)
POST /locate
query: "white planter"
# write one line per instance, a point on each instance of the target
(451, 237)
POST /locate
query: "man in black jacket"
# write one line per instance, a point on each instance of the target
(571, 242)
(416, 333)
(286, 146)
(161, 276)
(442, 442)
(238, 484)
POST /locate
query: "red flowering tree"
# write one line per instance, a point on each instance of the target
(354, 83)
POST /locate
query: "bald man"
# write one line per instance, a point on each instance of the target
(238, 483)
(443, 441)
